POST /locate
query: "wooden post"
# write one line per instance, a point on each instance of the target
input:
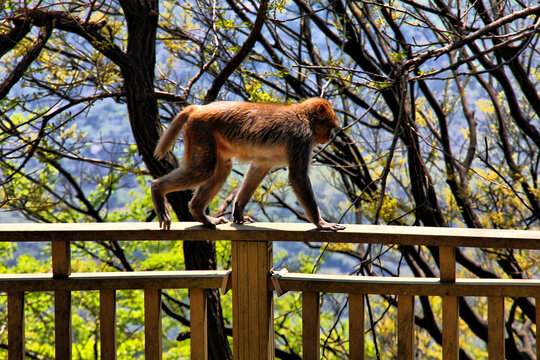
(61, 264)
(311, 327)
(405, 327)
(61, 259)
(253, 310)
(496, 328)
(107, 324)
(447, 265)
(198, 324)
(15, 326)
(152, 324)
(356, 327)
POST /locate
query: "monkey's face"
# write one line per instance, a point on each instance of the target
(324, 135)
(326, 125)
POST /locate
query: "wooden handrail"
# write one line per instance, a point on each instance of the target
(253, 290)
(372, 234)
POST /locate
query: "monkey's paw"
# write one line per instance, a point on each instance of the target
(242, 220)
(164, 218)
(329, 226)
(165, 225)
(218, 220)
(211, 222)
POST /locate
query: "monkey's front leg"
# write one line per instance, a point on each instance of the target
(161, 206)
(301, 185)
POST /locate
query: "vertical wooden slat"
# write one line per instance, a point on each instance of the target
(152, 324)
(265, 298)
(235, 250)
(496, 328)
(311, 328)
(356, 327)
(450, 328)
(61, 266)
(253, 315)
(62, 324)
(447, 265)
(253, 300)
(240, 299)
(538, 328)
(107, 324)
(198, 324)
(406, 327)
(15, 326)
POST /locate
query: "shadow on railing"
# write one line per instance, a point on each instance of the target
(253, 283)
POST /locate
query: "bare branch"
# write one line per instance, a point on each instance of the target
(419, 59)
(11, 39)
(237, 59)
(90, 31)
(27, 60)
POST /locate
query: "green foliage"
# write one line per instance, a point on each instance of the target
(39, 314)
(288, 322)
(399, 56)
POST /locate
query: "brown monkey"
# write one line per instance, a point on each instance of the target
(264, 134)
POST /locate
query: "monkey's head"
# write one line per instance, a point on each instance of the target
(323, 118)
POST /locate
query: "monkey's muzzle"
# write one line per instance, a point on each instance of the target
(334, 131)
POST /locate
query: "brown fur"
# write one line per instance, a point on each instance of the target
(264, 134)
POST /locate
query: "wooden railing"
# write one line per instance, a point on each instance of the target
(252, 283)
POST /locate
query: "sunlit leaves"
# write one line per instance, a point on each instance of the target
(485, 106)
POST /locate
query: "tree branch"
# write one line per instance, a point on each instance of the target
(27, 60)
(90, 31)
(237, 59)
(419, 59)
(11, 39)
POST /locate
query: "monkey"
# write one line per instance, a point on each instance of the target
(265, 135)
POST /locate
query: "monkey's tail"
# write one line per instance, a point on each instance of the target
(169, 137)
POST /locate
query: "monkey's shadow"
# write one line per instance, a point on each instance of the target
(256, 226)
(268, 226)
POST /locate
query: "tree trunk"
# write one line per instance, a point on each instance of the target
(142, 20)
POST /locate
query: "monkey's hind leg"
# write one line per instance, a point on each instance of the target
(177, 180)
(254, 175)
(161, 206)
(207, 191)
(200, 158)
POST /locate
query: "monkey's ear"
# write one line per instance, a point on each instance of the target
(321, 111)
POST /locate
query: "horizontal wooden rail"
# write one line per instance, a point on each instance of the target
(374, 234)
(253, 288)
(113, 281)
(408, 285)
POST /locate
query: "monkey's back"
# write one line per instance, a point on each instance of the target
(254, 132)
(256, 123)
